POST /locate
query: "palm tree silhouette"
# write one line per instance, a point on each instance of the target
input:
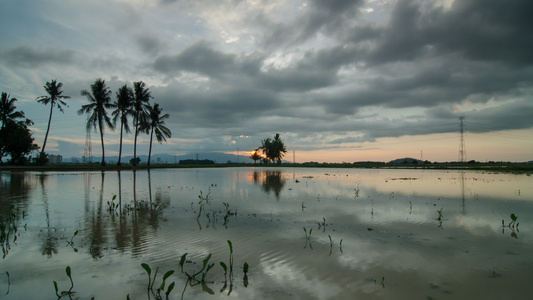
(142, 96)
(99, 99)
(156, 124)
(123, 109)
(54, 97)
(7, 109)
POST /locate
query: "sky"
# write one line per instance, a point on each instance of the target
(340, 81)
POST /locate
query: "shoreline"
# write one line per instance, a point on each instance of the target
(508, 167)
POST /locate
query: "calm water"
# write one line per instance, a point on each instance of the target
(376, 234)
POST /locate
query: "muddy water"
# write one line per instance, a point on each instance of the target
(305, 233)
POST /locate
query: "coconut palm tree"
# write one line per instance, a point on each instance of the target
(100, 100)
(279, 148)
(7, 109)
(141, 98)
(156, 124)
(54, 97)
(124, 105)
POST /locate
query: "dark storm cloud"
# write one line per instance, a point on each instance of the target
(26, 56)
(319, 16)
(150, 44)
(476, 29)
(199, 58)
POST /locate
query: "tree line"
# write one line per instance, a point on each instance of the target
(16, 140)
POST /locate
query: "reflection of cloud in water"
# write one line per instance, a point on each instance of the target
(282, 274)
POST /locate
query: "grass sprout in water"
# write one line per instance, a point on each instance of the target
(68, 293)
(151, 281)
(308, 238)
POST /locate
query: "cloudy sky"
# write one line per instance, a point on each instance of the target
(339, 80)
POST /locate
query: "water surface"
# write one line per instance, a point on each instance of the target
(376, 233)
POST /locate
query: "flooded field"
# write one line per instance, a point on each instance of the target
(293, 233)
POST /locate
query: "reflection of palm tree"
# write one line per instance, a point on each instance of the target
(123, 109)
(49, 248)
(99, 99)
(55, 94)
(273, 181)
(97, 229)
(156, 124)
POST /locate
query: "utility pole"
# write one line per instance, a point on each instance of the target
(88, 152)
(462, 151)
(293, 156)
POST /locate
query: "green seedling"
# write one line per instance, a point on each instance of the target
(148, 270)
(71, 242)
(8, 282)
(513, 221)
(330, 244)
(230, 258)
(112, 206)
(182, 261)
(440, 214)
(167, 274)
(224, 267)
(245, 277)
(308, 238)
(169, 289)
(323, 224)
(69, 292)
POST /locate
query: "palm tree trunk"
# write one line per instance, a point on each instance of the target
(102, 141)
(134, 163)
(48, 129)
(120, 147)
(150, 151)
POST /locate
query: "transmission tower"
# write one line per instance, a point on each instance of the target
(88, 152)
(462, 151)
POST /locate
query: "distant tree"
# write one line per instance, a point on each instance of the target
(255, 156)
(54, 97)
(141, 98)
(156, 124)
(274, 150)
(135, 161)
(16, 141)
(100, 100)
(266, 148)
(124, 108)
(279, 149)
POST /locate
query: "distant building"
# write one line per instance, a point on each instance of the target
(55, 159)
